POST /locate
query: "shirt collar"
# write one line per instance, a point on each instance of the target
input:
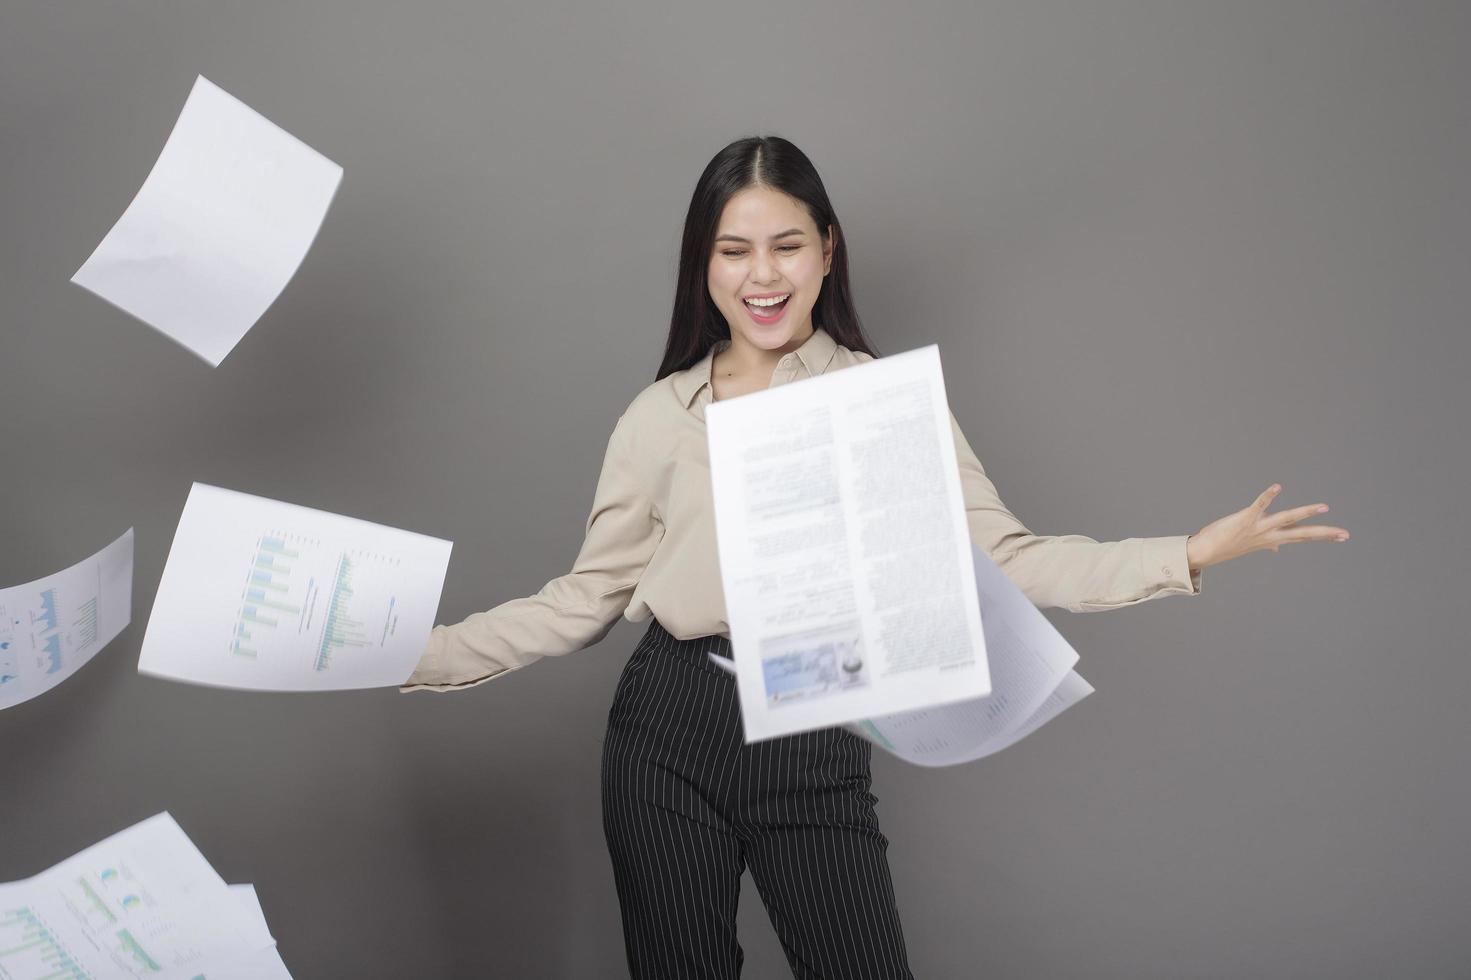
(815, 354)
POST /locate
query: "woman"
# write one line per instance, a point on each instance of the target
(762, 299)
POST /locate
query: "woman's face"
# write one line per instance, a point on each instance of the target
(767, 247)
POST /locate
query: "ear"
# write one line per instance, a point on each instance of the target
(827, 251)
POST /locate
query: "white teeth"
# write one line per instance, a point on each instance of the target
(773, 301)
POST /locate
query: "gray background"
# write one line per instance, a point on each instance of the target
(1171, 253)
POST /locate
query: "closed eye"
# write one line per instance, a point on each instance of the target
(736, 253)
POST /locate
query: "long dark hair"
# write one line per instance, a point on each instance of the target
(756, 161)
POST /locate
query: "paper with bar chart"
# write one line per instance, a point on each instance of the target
(141, 903)
(217, 229)
(52, 626)
(261, 594)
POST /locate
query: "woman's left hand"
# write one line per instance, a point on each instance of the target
(1253, 529)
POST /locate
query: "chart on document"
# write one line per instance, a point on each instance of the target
(50, 627)
(142, 903)
(303, 598)
(30, 948)
(88, 925)
(262, 594)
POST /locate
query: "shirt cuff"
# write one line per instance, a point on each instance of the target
(429, 674)
(1163, 570)
(1166, 563)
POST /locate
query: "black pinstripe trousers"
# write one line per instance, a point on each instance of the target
(687, 805)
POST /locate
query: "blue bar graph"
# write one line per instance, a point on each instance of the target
(28, 948)
(307, 602)
(277, 546)
(249, 615)
(52, 647)
(267, 583)
(48, 615)
(339, 630)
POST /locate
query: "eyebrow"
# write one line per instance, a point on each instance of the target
(738, 238)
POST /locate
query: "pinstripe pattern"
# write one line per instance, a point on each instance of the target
(687, 805)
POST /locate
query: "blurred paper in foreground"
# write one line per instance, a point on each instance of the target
(843, 546)
(143, 902)
(1032, 683)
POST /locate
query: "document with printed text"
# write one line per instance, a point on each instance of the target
(1031, 673)
(843, 547)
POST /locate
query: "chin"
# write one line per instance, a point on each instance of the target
(778, 336)
(772, 341)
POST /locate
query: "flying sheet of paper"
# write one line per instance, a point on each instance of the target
(218, 228)
(1072, 690)
(1031, 675)
(1030, 662)
(265, 963)
(271, 596)
(52, 626)
(843, 547)
(250, 903)
(1068, 693)
(143, 902)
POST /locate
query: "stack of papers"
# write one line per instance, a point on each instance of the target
(143, 902)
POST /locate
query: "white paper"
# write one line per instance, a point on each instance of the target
(263, 964)
(1028, 659)
(218, 228)
(143, 902)
(1068, 693)
(1031, 670)
(54, 625)
(271, 596)
(250, 903)
(843, 546)
(1030, 663)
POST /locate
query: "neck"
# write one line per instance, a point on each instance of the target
(743, 357)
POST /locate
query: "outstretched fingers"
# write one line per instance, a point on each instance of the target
(1265, 498)
(1289, 517)
(1307, 532)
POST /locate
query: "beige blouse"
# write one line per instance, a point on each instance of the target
(649, 548)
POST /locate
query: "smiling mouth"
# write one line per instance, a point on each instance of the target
(765, 309)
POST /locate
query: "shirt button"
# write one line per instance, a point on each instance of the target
(1166, 570)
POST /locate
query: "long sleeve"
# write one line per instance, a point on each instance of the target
(1070, 571)
(570, 612)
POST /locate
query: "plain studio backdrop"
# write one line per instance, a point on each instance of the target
(1171, 253)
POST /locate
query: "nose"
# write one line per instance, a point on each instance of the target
(763, 271)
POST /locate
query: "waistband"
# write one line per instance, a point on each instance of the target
(657, 641)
